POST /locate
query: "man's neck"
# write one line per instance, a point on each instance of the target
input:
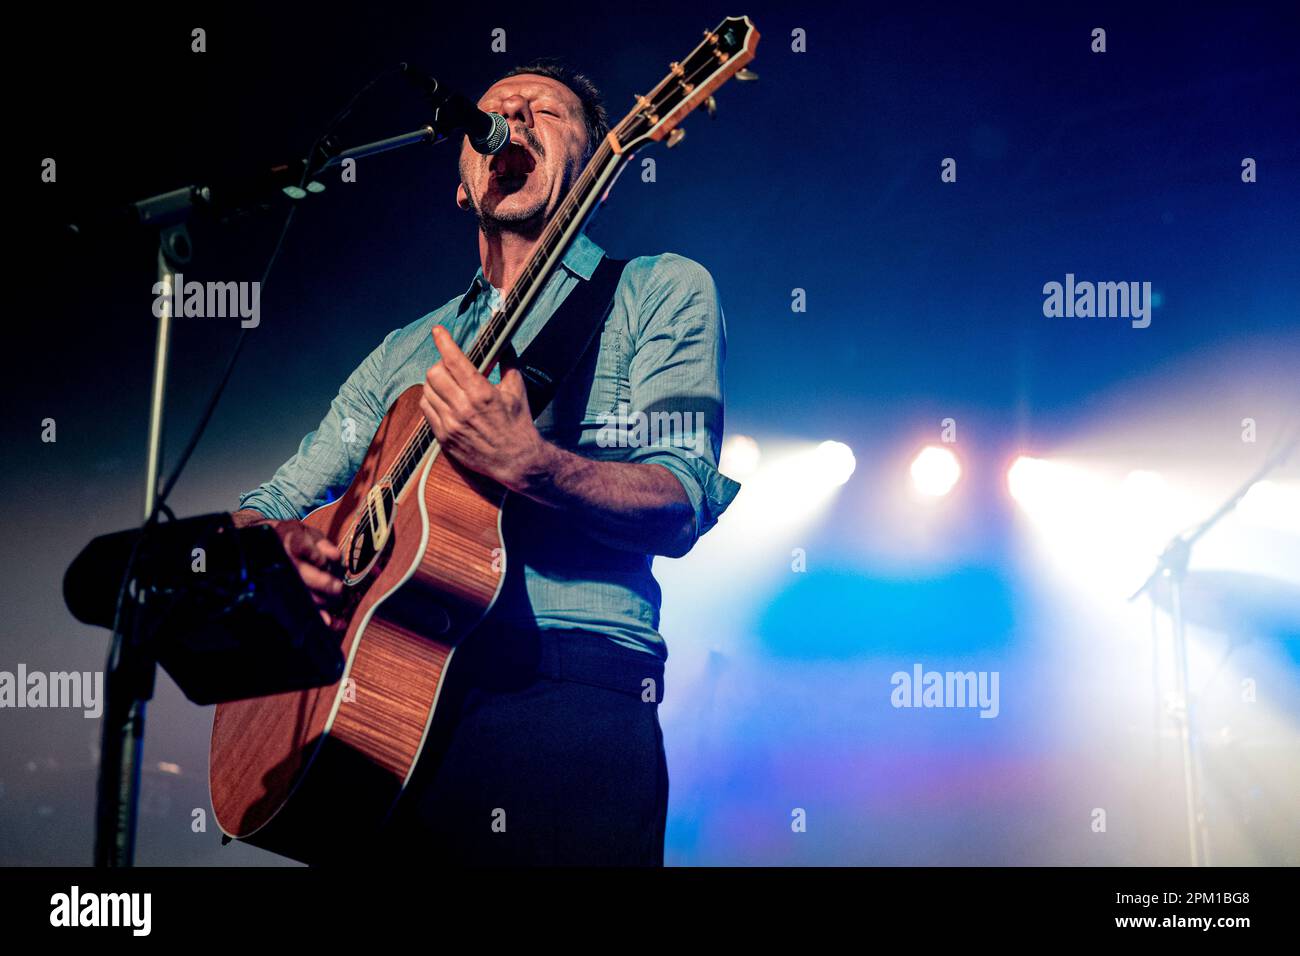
(504, 254)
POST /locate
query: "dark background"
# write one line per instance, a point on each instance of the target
(924, 301)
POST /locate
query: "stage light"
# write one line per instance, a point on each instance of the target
(1099, 532)
(740, 457)
(776, 515)
(834, 463)
(1028, 479)
(935, 471)
(795, 482)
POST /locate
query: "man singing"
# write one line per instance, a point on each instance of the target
(548, 747)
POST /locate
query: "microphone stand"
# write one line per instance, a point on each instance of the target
(1172, 563)
(131, 669)
(132, 666)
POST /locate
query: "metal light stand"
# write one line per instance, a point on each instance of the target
(1172, 564)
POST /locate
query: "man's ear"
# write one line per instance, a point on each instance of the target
(462, 196)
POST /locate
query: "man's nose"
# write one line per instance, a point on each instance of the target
(516, 108)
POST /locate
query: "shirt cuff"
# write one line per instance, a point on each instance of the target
(709, 491)
(268, 502)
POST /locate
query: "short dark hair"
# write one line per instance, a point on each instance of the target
(593, 106)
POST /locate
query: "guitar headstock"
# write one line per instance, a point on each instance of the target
(722, 53)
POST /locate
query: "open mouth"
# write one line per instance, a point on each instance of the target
(513, 162)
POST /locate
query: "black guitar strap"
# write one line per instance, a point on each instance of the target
(567, 335)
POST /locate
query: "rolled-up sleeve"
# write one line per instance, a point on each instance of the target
(328, 457)
(675, 373)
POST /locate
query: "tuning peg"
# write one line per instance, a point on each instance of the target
(711, 107)
(676, 136)
(747, 75)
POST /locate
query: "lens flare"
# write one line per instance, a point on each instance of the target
(935, 471)
(740, 457)
(834, 463)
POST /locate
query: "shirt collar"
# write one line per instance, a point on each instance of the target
(581, 259)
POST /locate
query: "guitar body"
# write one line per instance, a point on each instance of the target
(285, 768)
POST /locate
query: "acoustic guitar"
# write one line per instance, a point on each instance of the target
(423, 554)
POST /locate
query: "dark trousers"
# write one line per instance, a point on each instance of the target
(546, 749)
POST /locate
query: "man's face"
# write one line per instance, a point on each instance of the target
(522, 186)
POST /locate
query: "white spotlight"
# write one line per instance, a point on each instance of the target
(935, 471)
(1027, 479)
(834, 463)
(740, 457)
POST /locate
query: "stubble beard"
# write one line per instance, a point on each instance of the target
(527, 222)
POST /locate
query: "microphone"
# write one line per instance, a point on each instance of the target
(488, 133)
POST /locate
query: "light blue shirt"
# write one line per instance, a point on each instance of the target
(652, 394)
